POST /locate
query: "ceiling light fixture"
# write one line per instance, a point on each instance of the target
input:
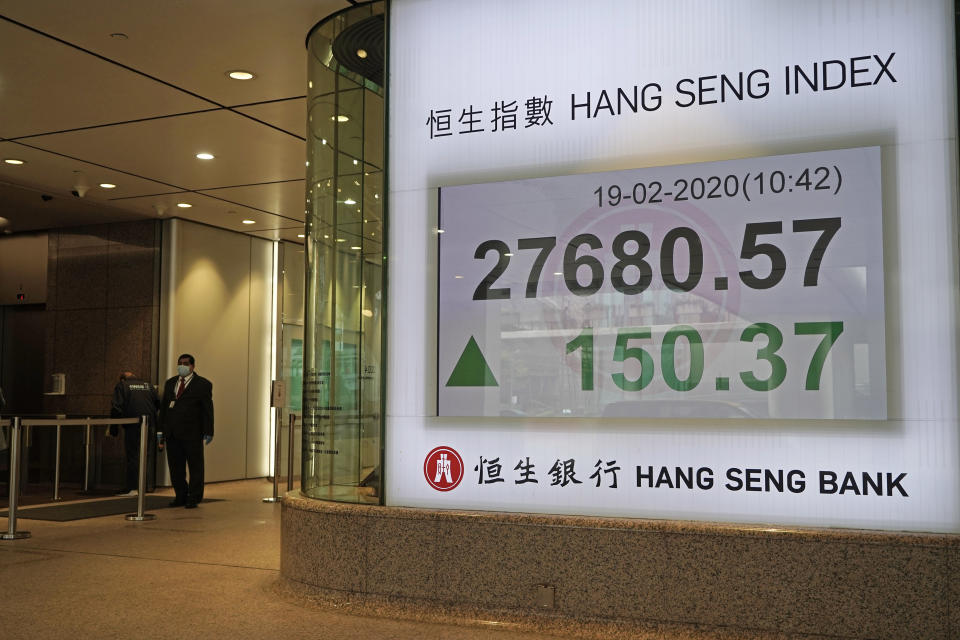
(107, 185)
(349, 201)
(205, 156)
(184, 205)
(341, 118)
(361, 53)
(249, 222)
(356, 248)
(13, 161)
(300, 235)
(119, 36)
(241, 75)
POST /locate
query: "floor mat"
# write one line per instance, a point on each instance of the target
(95, 508)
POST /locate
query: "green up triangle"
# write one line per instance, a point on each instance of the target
(472, 369)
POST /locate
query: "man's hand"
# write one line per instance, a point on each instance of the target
(207, 439)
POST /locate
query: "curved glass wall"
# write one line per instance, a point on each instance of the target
(343, 326)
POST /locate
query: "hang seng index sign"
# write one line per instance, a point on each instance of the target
(742, 289)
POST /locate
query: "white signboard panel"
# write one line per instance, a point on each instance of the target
(514, 113)
(738, 289)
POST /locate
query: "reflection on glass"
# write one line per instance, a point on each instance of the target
(342, 347)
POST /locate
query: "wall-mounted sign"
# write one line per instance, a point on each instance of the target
(668, 259)
(738, 289)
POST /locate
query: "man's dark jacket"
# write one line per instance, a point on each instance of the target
(192, 415)
(133, 398)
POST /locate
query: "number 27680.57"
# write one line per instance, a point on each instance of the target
(636, 255)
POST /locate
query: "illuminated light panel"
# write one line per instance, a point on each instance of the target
(249, 222)
(241, 75)
(205, 156)
(184, 205)
(14, 161)
(107, 185)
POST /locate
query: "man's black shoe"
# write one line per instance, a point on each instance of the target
(190, 505)
(177, 503)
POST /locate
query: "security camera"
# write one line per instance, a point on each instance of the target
(80, 186)
(46, 198)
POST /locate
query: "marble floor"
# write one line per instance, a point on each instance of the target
(209, 572)
(213, 572)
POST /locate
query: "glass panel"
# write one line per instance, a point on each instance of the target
(343, 315)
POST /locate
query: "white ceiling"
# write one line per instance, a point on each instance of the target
(135, 112)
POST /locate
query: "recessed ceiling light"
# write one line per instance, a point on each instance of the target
(356, 248)
(13, 161)
(458, 277)
(439, 230)
(323, 141)
(300, 235)
(119, 36)
(340, 118)
(184, 205)
(107, 185)
(356, 162)
(341, 240)
(241, 75)
(249, 222)
(349, 201)
(205, 156)
(361, 53)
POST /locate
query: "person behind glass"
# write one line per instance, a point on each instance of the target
(186, 425)
(133, 398)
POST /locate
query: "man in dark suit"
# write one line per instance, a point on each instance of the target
(186, 425)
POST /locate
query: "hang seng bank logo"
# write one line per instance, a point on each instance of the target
(443, 469)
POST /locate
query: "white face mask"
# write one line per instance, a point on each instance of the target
(183, 370)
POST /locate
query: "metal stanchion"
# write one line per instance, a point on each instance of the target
(293, 421)
(56, 468)
(276, 464)
(86, 458)
(140, 516)
(12, 533)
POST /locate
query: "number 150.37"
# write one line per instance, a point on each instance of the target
(668, 348)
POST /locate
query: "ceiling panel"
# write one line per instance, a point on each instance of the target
(24, 210)
(164, 150)
(209, 211)
(284, 198)
(287, 234)
(289, 115)
(134, 110)
(199, 41)
(48, 86)
(58, 175)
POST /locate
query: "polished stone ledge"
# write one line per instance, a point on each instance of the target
(631, 573)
